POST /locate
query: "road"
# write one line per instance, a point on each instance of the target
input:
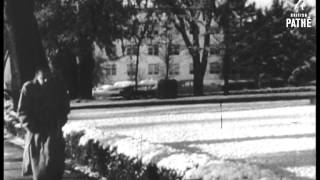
(279, 134)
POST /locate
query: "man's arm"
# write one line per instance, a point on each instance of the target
(24, 109)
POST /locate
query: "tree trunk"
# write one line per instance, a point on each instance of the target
(167, 71)
(226, 58)
(167, 61)
(14, 68)
(15, 82)
(66, 60)
(26, 37)
(226, 69)
(167, 58)
(25, 48)
(137, 68)
(86, 68)
(198, 69)
(198, 76)
(198, 84)
(5, 45)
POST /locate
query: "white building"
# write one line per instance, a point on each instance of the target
(152, 64)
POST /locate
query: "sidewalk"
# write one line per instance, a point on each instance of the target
(13, 161)
(193, 100)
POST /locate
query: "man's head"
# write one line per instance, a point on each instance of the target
(42, 75)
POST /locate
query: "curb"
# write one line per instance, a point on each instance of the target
(201, 100)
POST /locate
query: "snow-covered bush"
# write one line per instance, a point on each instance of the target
(11, 120)
(105, 162)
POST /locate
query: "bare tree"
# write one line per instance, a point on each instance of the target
(167, 39)
(189, 17)
(140, 27)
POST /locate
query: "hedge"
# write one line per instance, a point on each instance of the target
(11, 122)
(105, 162)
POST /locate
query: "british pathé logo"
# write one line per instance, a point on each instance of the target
(298, 19)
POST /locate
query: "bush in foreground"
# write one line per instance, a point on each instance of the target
(105, 162)
(11, 122)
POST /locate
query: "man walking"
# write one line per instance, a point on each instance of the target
(43, 108)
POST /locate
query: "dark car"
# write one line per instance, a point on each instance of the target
(143, 90)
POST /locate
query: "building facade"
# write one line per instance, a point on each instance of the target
(152, 64)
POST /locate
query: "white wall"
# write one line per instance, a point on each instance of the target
(183, 59)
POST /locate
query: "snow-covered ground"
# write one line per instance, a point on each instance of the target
(273, 138)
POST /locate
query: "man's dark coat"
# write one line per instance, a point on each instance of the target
(43, 111)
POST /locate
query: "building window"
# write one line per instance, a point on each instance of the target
(111, 69)
(131, 50)
(174, 69)
(153, 69)
(131, 69)
(214, 68)
(153, 49)
(191, 68)
(174, 49)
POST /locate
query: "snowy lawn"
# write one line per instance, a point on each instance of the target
(195, 144)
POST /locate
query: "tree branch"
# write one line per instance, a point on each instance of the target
(181, 27)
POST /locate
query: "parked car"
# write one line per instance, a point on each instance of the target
(111, 90)
(123, 84)
(105, 90)
(146, 88)
(126, 89)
